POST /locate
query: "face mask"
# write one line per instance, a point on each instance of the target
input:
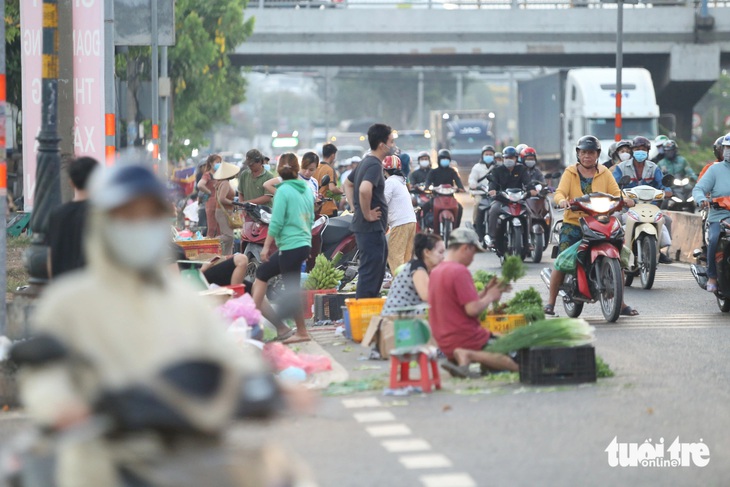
(509, 163)
(139, 245)
(726, 155)
(488, 159)
(499, 162)
(530, 163)
(624, 156)
(444, 162)
(267, 167)
(640, 155)
(217, 165)
(424, 164)
(390, 150)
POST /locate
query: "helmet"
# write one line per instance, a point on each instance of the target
(528, 152)
(510, 152)
(726, 140)
(660, 140)
(487, 148)
(423, 154)
(521, 147)
(498, 155)
(717, 147)
(588, 142)
(612, 150)
(444, 154)
(391, 163)
(641, 142)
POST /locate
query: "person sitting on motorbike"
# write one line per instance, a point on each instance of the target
(498, 159)
(508, 176)
(443, 175)
(618, 152)
(478, 177)
(643, 172)
(716, 184)
(519, 149)
(586, 177)
(717, 151)
(529, 159)
(659, 143)
(674, 164)
(420, 175)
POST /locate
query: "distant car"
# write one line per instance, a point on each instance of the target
(320, 4)
(349, 151)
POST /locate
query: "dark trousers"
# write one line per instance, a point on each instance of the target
(373, 249)
(494, 211)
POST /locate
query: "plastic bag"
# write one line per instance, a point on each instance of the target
(568, 259)
(281, 357)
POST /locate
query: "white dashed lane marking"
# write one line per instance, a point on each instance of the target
(388, 430)
(448, 480)
(414, 462)
(404, 446)
(374, 417)
(365, 402)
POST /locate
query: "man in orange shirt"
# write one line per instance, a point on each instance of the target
(329, 152)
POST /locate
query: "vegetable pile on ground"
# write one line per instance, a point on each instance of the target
(557, 332)
(527, 302)
(324, 275)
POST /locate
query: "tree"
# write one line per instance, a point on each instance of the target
(12, 60)
(205, 84)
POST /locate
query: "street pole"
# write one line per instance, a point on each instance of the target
(165, 112)
(3, 169)
(619, 66)
(110, 121)
(327, 104)
(421, 124)
(155, 87)
(459, 90)
(48, 173)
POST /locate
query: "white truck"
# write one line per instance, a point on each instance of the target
(557, 109)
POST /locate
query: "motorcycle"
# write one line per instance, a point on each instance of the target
(597, 275)
(540, 217)
(513, 224)
(445, 210)
(722, 258)
(253, 234)
(556, 222)
(681, 199)
(485, 202)
(419, 197)
(644, 225)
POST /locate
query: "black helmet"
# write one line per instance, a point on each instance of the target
(510, 152)
(444, 154)
(588, 142)
(488, 148)
(498, 155)
(612, 150)
(641, 142)
(612, 154)
(717, 148)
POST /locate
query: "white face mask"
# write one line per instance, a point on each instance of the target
(530, 163)
(139, 245)
(509, 163)
(424, 163)
(624, 156)
(726, 155)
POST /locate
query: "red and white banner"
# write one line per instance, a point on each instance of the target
(31, 35)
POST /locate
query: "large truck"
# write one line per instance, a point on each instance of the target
(557, 109)
(463, 132)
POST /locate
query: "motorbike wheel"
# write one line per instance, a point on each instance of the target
(612, 296)
(446, 227)
(647, 244)
(253, 265)
(629, 279)
(538, 245)
(517, 246)
(723, 304)
(572, 308)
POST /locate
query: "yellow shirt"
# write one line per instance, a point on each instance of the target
(569, 188)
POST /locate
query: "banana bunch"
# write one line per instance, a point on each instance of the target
(324, 275)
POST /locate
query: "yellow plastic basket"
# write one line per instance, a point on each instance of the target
(503, 323)
(361, 310)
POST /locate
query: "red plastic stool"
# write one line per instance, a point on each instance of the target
(400, 366)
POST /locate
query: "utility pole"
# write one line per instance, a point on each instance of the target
(619, 66)
(155, 87)
(165, 112)
(3, 168)
(110, 109)
(48, 177)
(420, 122)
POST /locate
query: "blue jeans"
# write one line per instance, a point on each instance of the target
(373, 249)
(712, 241)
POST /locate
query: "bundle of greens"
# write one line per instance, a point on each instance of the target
(528, 303)
(512, 269)
(482, 278)
(557, 332)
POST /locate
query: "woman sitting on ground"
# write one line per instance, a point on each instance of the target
(410, 286)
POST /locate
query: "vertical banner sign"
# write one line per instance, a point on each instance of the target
(88, 87)
(31, 28)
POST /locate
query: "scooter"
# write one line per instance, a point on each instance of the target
(681, 199)
(253, 234)
(597, 275)
(485, 202)
(513, 224)
(644, 224)
(556, 222)
(419, 197)
(722, 259)
(445, 210)
(540, 217)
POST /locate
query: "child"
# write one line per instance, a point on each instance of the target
(401, 217)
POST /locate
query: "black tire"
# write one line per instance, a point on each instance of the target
(538, 245)
(517, 246)
(572, 308)
(647, 271)
(446, 227)
(723, 304)
(612, 297)
(629, 279)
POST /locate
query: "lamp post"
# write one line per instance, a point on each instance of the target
(3, 167)
(619, 66)
(48, 173)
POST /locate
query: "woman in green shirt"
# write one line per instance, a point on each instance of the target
(291, 229)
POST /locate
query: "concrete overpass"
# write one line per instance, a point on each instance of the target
(683, 50)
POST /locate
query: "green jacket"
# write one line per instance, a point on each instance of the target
(292, 215)
(677, 167)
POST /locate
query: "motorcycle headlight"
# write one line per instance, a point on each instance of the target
(685, 181)
(678, 182)
(676, 199)
(266, 217)
(633, 215)
(690, 199)
(658, 217)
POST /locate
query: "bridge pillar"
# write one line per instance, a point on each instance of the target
(691, 71)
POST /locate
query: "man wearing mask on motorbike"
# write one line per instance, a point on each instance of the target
(420, 175)
(509, 175)
(659, 143)
(587, 176)
(529, 159)
(674, 164)
(642, 171)
(716, 184)
(118, 323)
(498, 159)
(478, 177)
(444, 174)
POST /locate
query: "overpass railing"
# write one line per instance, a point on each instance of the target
(475, 4)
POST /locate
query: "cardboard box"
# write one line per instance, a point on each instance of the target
(380, 331)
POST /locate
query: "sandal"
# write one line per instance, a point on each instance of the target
(549, 309)
(629, 311)
(461, 372)
(284, 337)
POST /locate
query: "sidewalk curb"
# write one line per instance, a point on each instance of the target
(322, 380)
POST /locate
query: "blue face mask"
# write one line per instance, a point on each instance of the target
(267, 167)
(488, 159)
(217, 165)
(640, 155)
(444, 162)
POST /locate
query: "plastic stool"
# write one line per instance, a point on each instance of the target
(400, 365)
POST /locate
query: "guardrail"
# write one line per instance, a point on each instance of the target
(477, 4)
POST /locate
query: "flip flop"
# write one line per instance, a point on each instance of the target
(711, 288)
(549, 309)
(629, 311)
(295, 339)
(461, 372)
(284, 337)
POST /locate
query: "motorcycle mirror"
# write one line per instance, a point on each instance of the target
(624, 181)
(667, 180)
(326, 180)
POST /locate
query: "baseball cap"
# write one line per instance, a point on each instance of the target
(119, 185)
(465, 236)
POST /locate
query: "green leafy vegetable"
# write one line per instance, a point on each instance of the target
(528, 303)
(512, 269)
(557, 332)
(602, 369)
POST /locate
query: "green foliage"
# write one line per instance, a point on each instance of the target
(14, 87)
(324, 275)
(602, 369)
(205, 84)
(528, 303)
(557, 332)
(482, 278)
(512, 269)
